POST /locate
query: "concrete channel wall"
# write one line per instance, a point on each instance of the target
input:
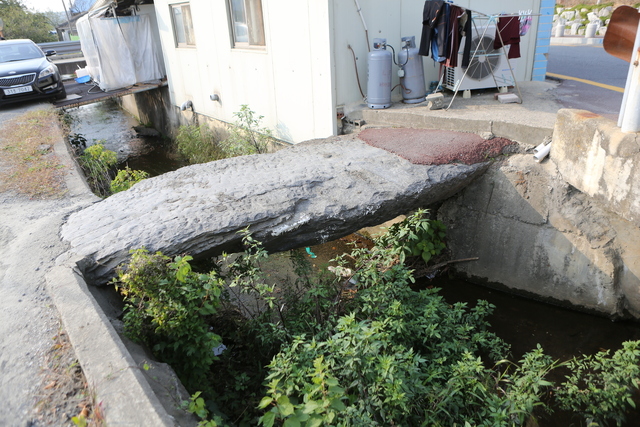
(564, 230)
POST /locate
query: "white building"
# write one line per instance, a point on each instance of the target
(297, 63)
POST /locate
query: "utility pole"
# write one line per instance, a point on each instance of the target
(68, 18)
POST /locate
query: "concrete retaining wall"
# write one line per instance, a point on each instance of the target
(596, 157)
(153, 108)
(537, 233)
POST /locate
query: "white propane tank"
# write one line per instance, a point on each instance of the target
(379, 78)
(413, 86)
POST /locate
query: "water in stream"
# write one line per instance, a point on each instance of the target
(522, 322)
(105, 121)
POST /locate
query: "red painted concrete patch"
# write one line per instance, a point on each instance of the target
(434, 147)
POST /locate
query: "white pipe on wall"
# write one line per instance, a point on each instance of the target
(364, 24)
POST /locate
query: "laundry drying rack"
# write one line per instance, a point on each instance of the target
(481, 23)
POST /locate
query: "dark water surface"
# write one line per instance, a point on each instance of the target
(522, 322)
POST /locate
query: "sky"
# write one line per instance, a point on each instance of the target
(45, 5)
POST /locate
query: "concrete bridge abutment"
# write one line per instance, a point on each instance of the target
(564, 230)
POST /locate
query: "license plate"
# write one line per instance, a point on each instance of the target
(13, 91)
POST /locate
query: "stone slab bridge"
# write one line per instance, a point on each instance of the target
(309, 193)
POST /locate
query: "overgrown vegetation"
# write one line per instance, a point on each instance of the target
(199, 144)
(21, 23)
(125, 178)
(99, 166)
(29, 164)
(355, 347)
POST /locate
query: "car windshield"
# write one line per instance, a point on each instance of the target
(19, 52)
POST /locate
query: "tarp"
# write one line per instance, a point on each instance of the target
(120, 51)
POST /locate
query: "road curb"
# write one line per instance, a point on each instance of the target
(576, 40)
(125, 396)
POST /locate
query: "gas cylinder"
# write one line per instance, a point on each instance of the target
(412, 80)
(379, 77)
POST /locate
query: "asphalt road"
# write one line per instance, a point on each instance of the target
(591, 79)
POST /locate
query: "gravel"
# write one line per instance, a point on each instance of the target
(435, 147)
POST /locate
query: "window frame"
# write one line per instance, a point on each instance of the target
(183, 30)
(253, 13)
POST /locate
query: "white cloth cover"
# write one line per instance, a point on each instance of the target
(119, 51)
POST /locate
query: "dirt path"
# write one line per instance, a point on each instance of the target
(29, 246)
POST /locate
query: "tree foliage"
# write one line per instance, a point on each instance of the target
(20, 23)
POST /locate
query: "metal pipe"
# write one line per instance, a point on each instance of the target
(68, 19)
(364, 24)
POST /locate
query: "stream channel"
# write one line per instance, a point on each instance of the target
(522, 322)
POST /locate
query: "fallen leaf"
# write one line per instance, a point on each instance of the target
(84, 413)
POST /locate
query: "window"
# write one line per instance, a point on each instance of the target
(248, 28)
(182, 25)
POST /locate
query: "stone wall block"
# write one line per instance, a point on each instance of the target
(594, 156)
(536, 235)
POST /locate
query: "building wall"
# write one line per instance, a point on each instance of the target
(307, 73)
(393, 20)
(289, 82)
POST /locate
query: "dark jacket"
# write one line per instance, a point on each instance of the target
(432, 17)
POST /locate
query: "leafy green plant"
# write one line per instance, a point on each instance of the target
(246, 136)
(126, 178)
(167, 308)
(601, 388)
(418, 236)
(196, 405)
(395, 356)
(97, 164)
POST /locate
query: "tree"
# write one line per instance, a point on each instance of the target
(55, 18)
(20, 23)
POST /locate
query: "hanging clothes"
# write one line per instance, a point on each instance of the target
(460, 25)
(508, 29)
(465, 23)
(443, 26)
(453, 36)
(432, 19)
(525, 22)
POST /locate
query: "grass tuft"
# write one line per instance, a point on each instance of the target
(28, 164)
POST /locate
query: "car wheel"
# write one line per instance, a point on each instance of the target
(62, 95)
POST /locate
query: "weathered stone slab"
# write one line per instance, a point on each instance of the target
(309, 193)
